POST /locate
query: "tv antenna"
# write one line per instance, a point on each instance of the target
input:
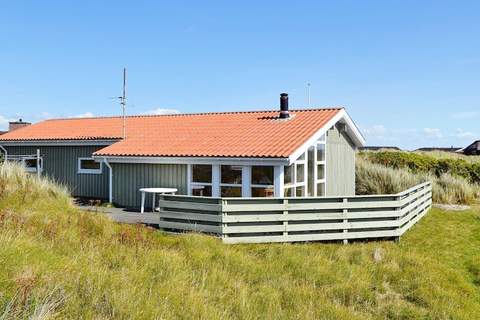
(123, 102)
(308, 94)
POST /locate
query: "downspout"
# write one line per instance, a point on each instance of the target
(110, 180)
(5, 152)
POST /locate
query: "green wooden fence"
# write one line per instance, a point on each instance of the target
(256, 220)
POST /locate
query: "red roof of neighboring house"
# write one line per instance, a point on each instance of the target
(235, 134)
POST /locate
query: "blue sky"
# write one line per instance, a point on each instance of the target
(408, 72)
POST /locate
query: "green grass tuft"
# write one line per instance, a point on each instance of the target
(392, 172)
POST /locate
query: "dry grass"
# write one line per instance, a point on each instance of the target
(59, 263)
(373, 178)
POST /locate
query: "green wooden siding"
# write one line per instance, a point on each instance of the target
(60, 163)
(129, 177)
(340, 166)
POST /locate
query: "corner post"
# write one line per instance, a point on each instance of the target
(345, 220)
(398, 210)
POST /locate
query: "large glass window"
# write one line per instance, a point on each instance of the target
(230, 181)
(262, 175)
(231, 174)
(294, 178)
(262, 181)
(288, 172)
(306, 177)
(202, 173)
(201, 184)
(321, 151)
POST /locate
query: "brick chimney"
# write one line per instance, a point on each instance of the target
(14, 125)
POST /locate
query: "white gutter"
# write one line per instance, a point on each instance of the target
(110, 180)
(4, 151)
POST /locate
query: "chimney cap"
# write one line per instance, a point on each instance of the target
(284, 106)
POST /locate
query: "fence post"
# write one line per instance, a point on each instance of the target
(398, 208)
(285, 216)
(222, 214)
(345, 221)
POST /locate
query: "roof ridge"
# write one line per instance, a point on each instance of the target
(197, 114)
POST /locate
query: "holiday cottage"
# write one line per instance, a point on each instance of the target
(280, 153)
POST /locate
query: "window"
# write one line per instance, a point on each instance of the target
(202, 173)
(230, 181)
(30, 164)
(320, 172)
(307, 175)
(262, 181)
(321, 151)
(294, 177)
(201, 184)
(89, 166)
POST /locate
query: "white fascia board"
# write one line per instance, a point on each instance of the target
(342, 115)
(68, 143)
(196, 160)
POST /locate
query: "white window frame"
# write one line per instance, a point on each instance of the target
(234, 185)
(304, 162)
(32, 169)
(264, 186)
(88, 171)
(192, 184)
(321, 141)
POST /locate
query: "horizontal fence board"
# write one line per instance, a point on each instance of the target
(190, 216)
(258, 207)
(412, 205)
(312, 237)
(229, 218)
(189, 227)
(190, 205)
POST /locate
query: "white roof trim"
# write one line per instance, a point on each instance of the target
(353, 133)
(195, 160)
(103, 142)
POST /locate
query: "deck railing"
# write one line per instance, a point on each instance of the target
(256, 220)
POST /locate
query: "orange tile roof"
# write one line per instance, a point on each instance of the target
(235, 134)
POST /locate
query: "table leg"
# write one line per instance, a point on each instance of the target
(143, 203)
(153, 202)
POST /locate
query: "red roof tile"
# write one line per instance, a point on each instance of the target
(236, 134)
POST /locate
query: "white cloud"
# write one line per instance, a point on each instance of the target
(375, 131)
(433, 133)
(84, 115)
(462, 134)
(161, 111)
(465, 115)
(4, 122)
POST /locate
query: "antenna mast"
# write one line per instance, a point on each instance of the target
(123, 101)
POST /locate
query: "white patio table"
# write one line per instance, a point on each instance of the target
(154, 191)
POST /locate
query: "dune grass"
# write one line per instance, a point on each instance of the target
(387, 178)
(57, 262)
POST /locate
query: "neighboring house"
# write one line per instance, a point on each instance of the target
(232, 154)
(472, 149)
(379, 148)
(430, 149)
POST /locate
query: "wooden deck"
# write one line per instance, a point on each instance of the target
(121, 215)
